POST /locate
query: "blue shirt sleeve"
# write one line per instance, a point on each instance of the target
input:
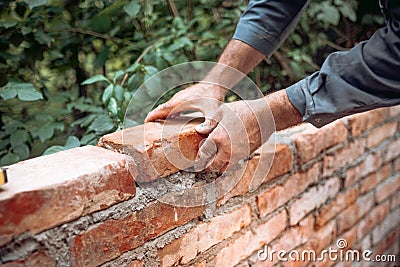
(265, 24)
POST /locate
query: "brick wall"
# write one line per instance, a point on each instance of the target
(82, 207)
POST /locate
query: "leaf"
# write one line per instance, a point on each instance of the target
(113, 106)
(132, 8)
(86, 139)
(119, 92)
(53, 149)
(329, 14)
(133, 67)
(102, 124)
(95, 78)
(8, 93)
(20, 136)
(25, 91)
(107, 93)
(35, 3)
(117, 75)
(45, 132)
(9, 159)
(72, 141)
(43, 38)
(22, 150)
(348, 12)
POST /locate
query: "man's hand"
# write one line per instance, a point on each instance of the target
(202, 97)
(235, 131)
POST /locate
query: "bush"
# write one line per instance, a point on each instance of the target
(69, 68)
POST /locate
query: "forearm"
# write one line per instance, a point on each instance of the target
(237, 58)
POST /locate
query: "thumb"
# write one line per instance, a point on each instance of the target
(207, 126)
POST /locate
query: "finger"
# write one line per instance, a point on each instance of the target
(161, 112)
(221, 160)
(206, 154)
(211, 122)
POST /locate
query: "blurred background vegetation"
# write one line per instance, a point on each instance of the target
(68, 68)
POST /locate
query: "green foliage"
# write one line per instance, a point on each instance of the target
(68, 69)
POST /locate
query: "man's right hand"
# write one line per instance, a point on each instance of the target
(202, 97)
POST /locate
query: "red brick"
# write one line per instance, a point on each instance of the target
(391, 222)
(204, 236)
(361, 122)
(394, 111)
(338, 159)
(387, 187)
(199, 264)
(246, 244)
(370, 164)
(373, 218)
(311, 142)
(295, 236)
(111, 238)
(342, 201)
(159, 149)
(36, 259)
(375, 178)
(353, 213)
(278, 195)
(258, 170)
(393, 150)
(46, 191)
(395, 201)
(136, 263)
(381, 133)
(383, 248)
(397, 165)
(323, 237)
(313, 199)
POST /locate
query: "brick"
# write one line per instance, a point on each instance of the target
(363, 121)
(158, 149)
(381, 133)
(295, 235)
(278, 195)
(312, 199)
(47, 191)
(204, 236)
(109, 239)
(136, 263)
(258, 170)
(311, 142)
(338, 159)
(394, 111)
(385, 246)
(391, 222)
(353, 213)
(387, 187)
(397, 165)
(199, 264)
(393, 150)
(323, 237)
(373, 218)
(244, 246)
(368, 165)
(342, 201)
(395, 201)
(370, 182)
(39, 258)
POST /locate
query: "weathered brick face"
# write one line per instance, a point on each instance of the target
(82, 208)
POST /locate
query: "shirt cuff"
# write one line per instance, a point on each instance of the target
(251, 35)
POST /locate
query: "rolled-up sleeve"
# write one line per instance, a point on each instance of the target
(265, 24)
(363, 78)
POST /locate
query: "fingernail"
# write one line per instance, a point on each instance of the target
(200, 127)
